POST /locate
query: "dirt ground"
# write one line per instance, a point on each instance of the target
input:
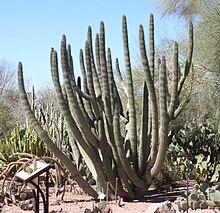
(78, 203)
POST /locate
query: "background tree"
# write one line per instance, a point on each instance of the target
(206, 17)
(9, 98)
(206, 59)
(202, 111)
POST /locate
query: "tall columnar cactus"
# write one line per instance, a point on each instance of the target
(102, 126)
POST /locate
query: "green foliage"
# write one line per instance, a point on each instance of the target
(200, 197)
(197, 149)
(21, 140)
(206, 58)
(6, 120)
(207, 30)
(181, 8)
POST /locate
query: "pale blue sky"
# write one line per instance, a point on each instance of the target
(30, 28)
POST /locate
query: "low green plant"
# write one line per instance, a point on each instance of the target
(21, 140)
(197, 150)
(201, 197)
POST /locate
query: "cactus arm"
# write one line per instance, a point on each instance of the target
(116, 94)
(81, 152)
(119, 75)
(33, 100)
(77, 89)
(144, 145)
(87, 103)
(152, 95)
(80, 96)
(121, 173)
(130, 90)
(74, 107)
(105, 82)
(188, 62)
(63, 105)
(188, 65)
(90, 81)
(83, 71)
(98, 63)
(105, 156)
(163, 131)
(151, 66)
(73, 127)
(174, 92)
(120, 169)
(89, 77)
(152, 48)
(70, 61)
(94, 71)
(110, 77)
(120, 150)
(77, 155)
(109, 137)
(44, 136)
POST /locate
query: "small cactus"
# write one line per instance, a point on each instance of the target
(215, 196)
(201, 197)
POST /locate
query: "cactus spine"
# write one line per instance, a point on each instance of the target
(101, 125)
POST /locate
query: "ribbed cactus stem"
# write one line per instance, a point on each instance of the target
(104, 73)
(152, 95)
(175, 80)
(98, 63)
(163, 130)
(110, 77)
(188, 62)
(74, 128)
(89, 71)
(73, 105)
(44, 136)
(144, 145)
(130, 93)
(90, 80)
(33, 99)
(87, 104)
(71, 67)
(124, 161)
(119, 75)
(96, 81)
(152, 48)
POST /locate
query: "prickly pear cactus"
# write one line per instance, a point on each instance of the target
(200, 197)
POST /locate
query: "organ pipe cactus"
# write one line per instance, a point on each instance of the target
(103, 125)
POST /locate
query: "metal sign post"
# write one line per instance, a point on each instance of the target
(31, 177)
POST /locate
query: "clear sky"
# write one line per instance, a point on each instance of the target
(30, 28)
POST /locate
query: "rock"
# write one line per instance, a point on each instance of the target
(58, 211)
(87, 210)
(27, 204)
(164, 207)
(167, 207)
